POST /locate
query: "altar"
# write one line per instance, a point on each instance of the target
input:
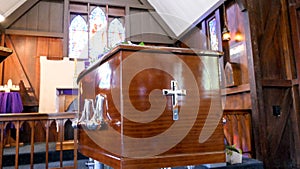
(10, 102)
(151, 107)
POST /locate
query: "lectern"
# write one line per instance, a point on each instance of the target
(151, 107)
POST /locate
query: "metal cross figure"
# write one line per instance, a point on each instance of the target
(174, 92)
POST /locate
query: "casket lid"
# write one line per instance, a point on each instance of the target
(160, 49)
(165, 49)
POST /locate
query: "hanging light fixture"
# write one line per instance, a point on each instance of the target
(225, 32)
(238, 36)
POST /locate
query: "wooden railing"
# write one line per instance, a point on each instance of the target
(18, 119)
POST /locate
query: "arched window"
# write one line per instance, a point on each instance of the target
(92, 38)
(78, 38)
(98, 33)
(116, 33)
(214, 43)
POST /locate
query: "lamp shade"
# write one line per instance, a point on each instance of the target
(225, 34)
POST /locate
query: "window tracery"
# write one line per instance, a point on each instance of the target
(78, 38)
(116, 32)
(92, 38)
(98, 33)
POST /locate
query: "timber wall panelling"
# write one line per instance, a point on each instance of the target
(38, 32)
(45, 16)
(23, 64)
(237, 99)
(238, 106)
(268, 66)
(141, 22)
(40, 28)
(273, 83)
(294, 11)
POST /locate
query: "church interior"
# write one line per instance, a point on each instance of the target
(138, 84)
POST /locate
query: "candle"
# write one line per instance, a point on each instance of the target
(9, 83)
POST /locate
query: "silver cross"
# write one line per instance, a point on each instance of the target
(174, 92)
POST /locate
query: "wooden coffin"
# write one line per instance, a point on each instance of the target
(151, 107)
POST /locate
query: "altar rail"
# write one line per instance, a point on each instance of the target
(18, 119)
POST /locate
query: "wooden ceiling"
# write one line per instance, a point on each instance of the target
(179, 16)
(18, 8)
(8, 7)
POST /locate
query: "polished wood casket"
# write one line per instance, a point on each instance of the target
(151, 107)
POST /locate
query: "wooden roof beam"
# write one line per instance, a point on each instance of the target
(123, 3)
(18, 13)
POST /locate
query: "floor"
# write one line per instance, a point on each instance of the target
(39, 159)
(81, 165)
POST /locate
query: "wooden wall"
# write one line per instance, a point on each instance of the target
(238, 107)
(145, 28)
(45, 16)
(42, 30)
(269, 66)
(37, 33)
(275, 83)
(24, 63)
(263, 108)
(236, 98)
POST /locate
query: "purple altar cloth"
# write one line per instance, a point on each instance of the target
(10, 102)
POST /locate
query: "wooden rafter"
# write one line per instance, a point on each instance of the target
(18, 13)
(131, 3)
(4, 52)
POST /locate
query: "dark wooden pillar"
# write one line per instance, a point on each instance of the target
(258, 118)
(274, 83)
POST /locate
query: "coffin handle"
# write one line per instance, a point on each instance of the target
(96, 110)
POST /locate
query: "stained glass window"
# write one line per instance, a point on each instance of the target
(91, 38)
(98, 33)
(116, 32)
(214, 43)
(78, 38)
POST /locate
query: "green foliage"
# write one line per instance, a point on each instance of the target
(230, 148)
(141, 44)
